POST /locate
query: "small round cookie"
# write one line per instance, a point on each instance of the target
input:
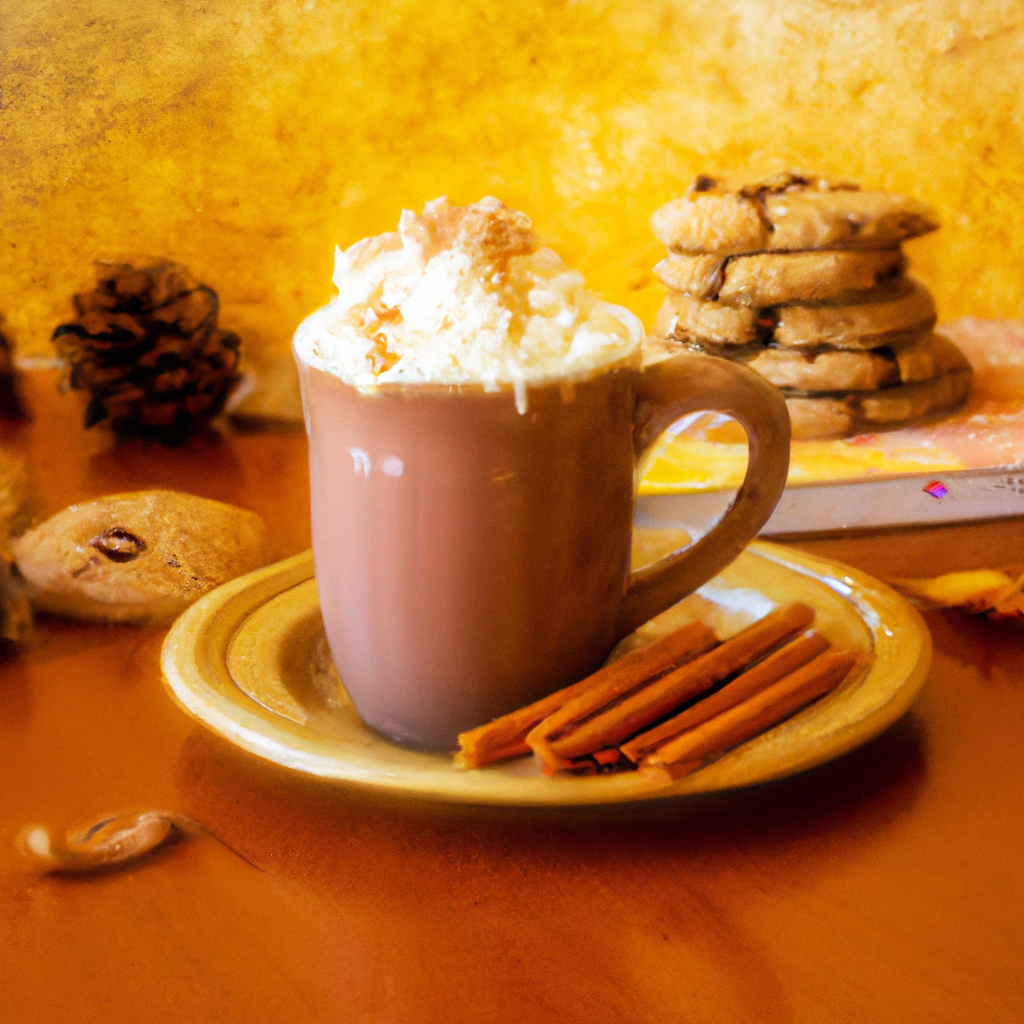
(845, 218)
(788, 212)
(899, 318)
(821, 418)
(712, 222)
(922, 398)
(771, 279)
(141, 557)
(823, 369)
(839, 369)
(829, 415)
(683, 318)
(826, 370)
(930, 358)
(895, 316)
(697, 275)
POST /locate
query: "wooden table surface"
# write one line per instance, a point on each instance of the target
(885, 886)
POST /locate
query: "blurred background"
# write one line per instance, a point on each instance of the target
(246, 139)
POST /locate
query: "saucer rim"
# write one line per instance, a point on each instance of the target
(195, 671)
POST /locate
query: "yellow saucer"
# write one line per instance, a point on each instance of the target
(248, 660)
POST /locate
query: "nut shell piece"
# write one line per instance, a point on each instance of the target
(140, 558)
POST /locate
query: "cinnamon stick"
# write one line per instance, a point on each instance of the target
(505, 737)
(696, 747)
(567, 734)
(764, 674)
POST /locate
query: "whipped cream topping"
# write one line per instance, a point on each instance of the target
(462, 295)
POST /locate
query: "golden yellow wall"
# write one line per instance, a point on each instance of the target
(246, 137)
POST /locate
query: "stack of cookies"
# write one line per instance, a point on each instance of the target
(804, 281)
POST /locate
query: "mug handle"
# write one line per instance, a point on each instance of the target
(668, 390)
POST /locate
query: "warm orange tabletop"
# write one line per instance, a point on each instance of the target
(885, 886)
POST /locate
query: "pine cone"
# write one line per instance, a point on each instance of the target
(146, 345)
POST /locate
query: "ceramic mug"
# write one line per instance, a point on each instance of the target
(471, 558)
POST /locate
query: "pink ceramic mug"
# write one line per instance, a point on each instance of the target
(471, 558)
